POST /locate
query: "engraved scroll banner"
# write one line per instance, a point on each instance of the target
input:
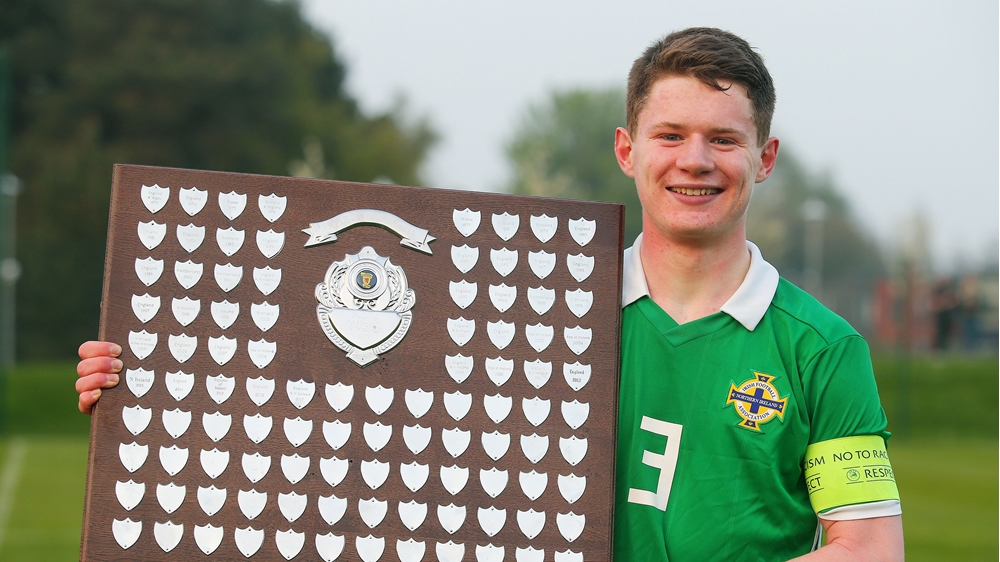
(438, 384)
(411, 236)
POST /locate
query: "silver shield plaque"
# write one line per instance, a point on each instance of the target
(364, 305)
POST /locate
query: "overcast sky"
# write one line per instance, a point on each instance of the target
(897, 100)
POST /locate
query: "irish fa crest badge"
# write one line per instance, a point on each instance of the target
(757, 401)
(364, 302)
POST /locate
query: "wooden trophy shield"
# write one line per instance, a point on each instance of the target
(322, 370)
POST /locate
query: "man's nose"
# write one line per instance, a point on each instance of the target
(695, 156)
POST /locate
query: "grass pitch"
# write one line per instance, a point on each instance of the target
(46, 501)
(948, 489)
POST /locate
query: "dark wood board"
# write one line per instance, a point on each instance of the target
(305, 353)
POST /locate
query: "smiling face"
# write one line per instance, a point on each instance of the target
(694, 156)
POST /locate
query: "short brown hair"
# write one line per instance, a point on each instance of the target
(710, 55)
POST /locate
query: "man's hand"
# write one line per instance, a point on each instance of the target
(98, 368)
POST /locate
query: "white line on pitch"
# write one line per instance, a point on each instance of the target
(16, 450)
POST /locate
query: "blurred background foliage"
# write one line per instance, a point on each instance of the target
(564, 147)
(235, 85)
(777, 222)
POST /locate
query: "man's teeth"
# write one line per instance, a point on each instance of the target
(694, 191)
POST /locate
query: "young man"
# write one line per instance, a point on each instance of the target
(732, 379)
(738, 390)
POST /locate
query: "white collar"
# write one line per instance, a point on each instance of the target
(747, 305)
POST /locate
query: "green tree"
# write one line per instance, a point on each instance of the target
(236, 85)
(851, 260)
(564, 147)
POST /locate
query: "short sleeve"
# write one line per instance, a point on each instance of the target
(841, 393)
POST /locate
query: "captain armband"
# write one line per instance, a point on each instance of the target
(848, 471)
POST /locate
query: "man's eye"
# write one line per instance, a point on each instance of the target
(724, 141)
(670, 137)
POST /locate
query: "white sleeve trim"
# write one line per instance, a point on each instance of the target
(885, 508)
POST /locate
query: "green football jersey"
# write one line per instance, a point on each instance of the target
(714, 421)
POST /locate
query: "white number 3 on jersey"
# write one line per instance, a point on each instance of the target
(666, 463)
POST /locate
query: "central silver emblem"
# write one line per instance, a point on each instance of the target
(364, 305)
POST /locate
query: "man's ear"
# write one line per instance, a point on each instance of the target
(623, 151)
(768, 157)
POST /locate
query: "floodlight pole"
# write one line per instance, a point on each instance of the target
(814, 213)
(10, 270)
